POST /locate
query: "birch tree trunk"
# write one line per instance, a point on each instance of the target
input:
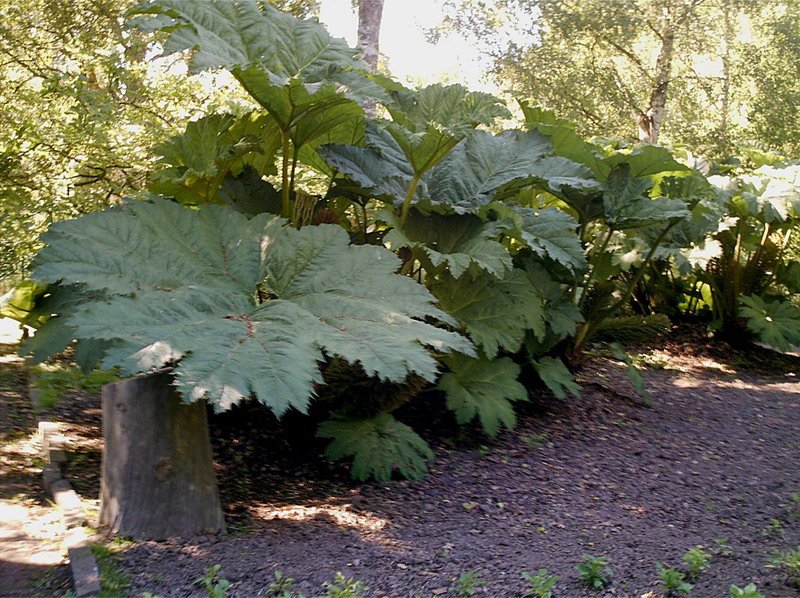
(370, 13)
(649, 123)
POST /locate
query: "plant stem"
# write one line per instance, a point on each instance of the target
(595, 253)
(590, 327)
(412, 188)
(286, 204)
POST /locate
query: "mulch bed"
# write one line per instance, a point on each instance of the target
(716, 456)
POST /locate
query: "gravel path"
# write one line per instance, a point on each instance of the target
(714, 458)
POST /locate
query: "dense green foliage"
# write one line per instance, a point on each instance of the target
(728, 69)
(83, 103)
(361, 262)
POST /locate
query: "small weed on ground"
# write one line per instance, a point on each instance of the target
(792, 509)
(541, 584)
(696, 560)
(721, 547)
(281, 587)
(113, 580)
(468, 583)
(673, 581)
(595, 571)
(535, 440)
(789, 563)
(213, 584)
(749, 591)
(774, 529)
(344, 587)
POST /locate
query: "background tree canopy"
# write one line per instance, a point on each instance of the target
(85, 99)
(82, 111)
(713, 73)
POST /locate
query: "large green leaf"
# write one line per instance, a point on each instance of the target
(283, 62)
(212, 150)
(484, 165)
(484, 388)
(645, 160)
(495, 312)
(549, 233)
(380, 169)
(453, 108)
(561, 313)
(627, 204)
(776, 323)
(556, 377)
(565, 139)
(457, 241)
(249, 193)
(378, 446)
(243, 306)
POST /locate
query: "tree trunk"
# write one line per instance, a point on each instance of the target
(158, 476)
(370, 13)
(658, 98)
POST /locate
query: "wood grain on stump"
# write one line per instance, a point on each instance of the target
(158, 476)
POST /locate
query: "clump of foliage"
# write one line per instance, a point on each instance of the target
(696, 560)
(214, 585)
(673, 581)
(753, 277)
(301, 251)
(52, 382)
(595, 571)
(789, 563)
(540, 584)
(468, 582)
(344, 587)
(749, 591)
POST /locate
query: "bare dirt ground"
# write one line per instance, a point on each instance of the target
(31, 530)
(713, 462)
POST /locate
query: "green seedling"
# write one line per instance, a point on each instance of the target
(673, 581)
(213, 584)
(722, 548)
(696, 560)
(789, 563)
(344, 587)
(749, 591)
(281, 587)
(541, 584)
(792, 509)
(774, 529)
(468, 583)
(535, 440)
(595, 571)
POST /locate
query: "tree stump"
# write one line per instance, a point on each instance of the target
(158, 475)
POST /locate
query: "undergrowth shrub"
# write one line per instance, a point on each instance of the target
(301, 252)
